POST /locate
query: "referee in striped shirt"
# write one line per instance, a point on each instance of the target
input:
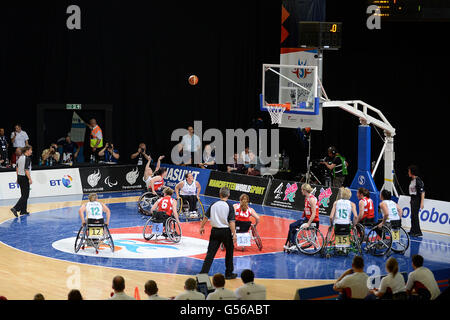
(222, 219)
(23, 170)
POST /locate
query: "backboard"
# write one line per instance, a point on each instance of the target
(296, 85)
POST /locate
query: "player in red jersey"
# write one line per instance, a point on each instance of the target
(310, 216)
(243, 213)
(366, 209)
(156, 183)
(166, 206)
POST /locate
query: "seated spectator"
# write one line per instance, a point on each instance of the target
(234, 166)
(109, 153)
(16, 155)
(255, 166)
(38, 296)
(50, 156)
(209, 159)
(246, 157)
(221, 293)
(118, 285)
(70, 150)
(151, 289)
(421, 281)
(190, 293)
(392, 286)
(352, 284)
(74, 295)
(141, 155)
(250, 290)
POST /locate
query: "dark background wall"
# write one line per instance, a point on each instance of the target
(137, 56)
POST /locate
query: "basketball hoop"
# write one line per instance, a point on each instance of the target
(276, 111)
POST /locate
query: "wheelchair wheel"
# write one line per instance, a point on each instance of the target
(328, 245)
(182, 206)
(355, 240)
(256, 237)
(200, 209)
(108, 238)
(400, 242)
(309, 240)
(360, 232)
(81, 239)
(173, 230)
(146, 202)
(379, 244)
(148, 228)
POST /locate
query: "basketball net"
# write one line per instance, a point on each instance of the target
(276, 111)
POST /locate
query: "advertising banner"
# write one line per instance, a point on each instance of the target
(288, 195)
(435, 216)
(56, 182)
(175, 174)
(112, 178)
(238, 184)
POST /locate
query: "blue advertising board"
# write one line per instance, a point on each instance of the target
(175, 174)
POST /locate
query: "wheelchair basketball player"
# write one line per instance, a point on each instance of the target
(165, 207)
(94, 211)
(189, 190)
(243, 213)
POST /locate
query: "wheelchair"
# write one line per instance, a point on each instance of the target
(159, 224)
(380, 242)
(94, 235)
(341, 240)
(183, 209)
(146, 201)
(308, 241)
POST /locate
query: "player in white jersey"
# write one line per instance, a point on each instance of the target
(189, 189)
(342, 210)
(391, 210)
(94, 211)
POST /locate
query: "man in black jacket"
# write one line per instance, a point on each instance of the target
(417, 194)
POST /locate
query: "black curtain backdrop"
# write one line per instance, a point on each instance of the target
(138, 55)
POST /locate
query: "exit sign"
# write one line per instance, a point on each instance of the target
(73, 106)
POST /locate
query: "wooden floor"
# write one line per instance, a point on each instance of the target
(24, 274)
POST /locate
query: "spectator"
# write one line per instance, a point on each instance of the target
(38, 296)
(70, 150)
(96, 141)
(50, 156)
(247, 157)
(190, 146)
(209, 159)
(250, 290)
(74, 295)
(221, 293)
(190, 293)
(255, 166)
(352, 284)
(422, 281)
(16, 155)
(233, 165)
(4, 161)
(118, 286)
(151, 289)
(19, 138)
(392, 286)
(141, 155)
(109, 153)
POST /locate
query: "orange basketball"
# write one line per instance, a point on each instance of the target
(193, 80)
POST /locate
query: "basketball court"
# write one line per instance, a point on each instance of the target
(37, 253)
